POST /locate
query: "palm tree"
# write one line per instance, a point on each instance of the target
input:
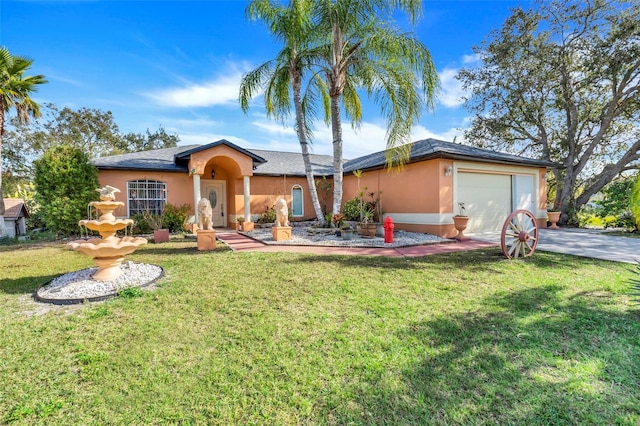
(283, 76)
(366, 52)
(15, 89)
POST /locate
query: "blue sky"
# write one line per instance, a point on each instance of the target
(178, 64)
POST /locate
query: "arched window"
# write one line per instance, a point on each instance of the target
(144, 194)
(297, 205)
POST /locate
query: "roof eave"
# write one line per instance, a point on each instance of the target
(461, 157)
(142, 169)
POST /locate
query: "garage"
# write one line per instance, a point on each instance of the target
(490, 198)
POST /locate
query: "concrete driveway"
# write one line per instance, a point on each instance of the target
(581, 242)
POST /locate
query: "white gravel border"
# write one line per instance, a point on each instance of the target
(310, 236)
(78, 286)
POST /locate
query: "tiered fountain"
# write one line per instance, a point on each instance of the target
(108, 251)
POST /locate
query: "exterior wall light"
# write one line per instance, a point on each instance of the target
(213, 174)
(448, 171)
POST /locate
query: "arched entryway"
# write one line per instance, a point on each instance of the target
(221, 172)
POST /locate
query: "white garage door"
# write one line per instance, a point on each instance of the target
(487, 198)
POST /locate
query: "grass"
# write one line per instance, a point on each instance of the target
(276, 338)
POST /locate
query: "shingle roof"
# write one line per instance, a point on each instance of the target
(175, 160)
(276, 163)
(291, 164)
(157, 159)
(14, 208)
(433, 148)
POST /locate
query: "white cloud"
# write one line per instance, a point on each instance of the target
(207, 138)
(421, 132)
(274, 127)
(222, 90)
(190, 123)
(452, 92)
(471, 59)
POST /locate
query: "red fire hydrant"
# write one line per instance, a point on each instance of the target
(388, 229)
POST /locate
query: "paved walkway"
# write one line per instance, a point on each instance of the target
(239, 242)
(582, 242)
(578, 242)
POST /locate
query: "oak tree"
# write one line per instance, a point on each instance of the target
(562, 82)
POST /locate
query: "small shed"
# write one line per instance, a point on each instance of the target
(15, 215)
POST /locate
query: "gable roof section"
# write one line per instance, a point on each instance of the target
(427, 149)
(15, 208)
(185, 155)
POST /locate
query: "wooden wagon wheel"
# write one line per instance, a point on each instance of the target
(519, 235)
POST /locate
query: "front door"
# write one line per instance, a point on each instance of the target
(216, 192)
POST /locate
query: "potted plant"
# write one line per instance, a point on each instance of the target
(460, 221)
(156, 222)
(370, 213)
(367, 226)
(338, 222)
(347, 232)
(240, 220)
(553, 214)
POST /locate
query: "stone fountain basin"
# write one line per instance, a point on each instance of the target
(97, 247)
(112, 226)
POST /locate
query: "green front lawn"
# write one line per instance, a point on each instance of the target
(257, 338)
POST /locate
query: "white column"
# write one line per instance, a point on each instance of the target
(196, 194)
(247, 198)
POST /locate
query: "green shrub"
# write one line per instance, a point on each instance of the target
(634, 201)
(610, 221)
(269, 215)
(140, 225)
(175, 217)
(65, 182)
(616, 197)
(592, 221)
(626, 220)
(351, 209)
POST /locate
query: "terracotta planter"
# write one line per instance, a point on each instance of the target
(367, 229)
(160, 236)
(460, 223)
(554, 217)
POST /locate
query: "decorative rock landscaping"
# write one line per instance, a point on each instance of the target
(78, 286)
(310, 236)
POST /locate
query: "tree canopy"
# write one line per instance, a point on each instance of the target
(347, 48)
(366, 51)
(562, 82)
(282, 78)
(92, 131)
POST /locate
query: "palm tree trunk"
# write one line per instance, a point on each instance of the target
(304, 145)
(336, 130)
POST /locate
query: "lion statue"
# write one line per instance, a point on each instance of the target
(282, 213)
(204, 214)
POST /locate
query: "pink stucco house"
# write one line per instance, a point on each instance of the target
(422, 196)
